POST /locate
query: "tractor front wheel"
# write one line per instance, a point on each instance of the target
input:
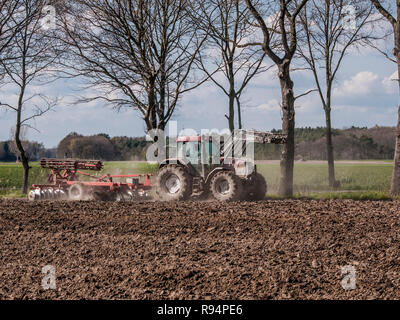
(226, 186)
(173, 183)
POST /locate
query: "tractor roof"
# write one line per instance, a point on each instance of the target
(188, 139)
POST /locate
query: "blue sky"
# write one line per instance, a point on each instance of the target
(364, 95)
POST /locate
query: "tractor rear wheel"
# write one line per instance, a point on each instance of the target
(226, 186)
(255, 190)
(173, 183)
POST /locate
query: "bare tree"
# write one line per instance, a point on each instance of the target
(393, 19)
(12, 146)
(280, 44)
(32, 52)
(330, 29)
(8, 27)
(139, 53)
(227, 23)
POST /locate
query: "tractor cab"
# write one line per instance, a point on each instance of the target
(196, 151)
(189, 148)
(205, 153)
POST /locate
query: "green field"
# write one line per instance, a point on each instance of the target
(360, 180)
(313, 177)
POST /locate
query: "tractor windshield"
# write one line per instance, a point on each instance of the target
(192, 151)
(189, 151)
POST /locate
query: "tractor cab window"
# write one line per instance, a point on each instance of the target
(214, 149)
(189, 151)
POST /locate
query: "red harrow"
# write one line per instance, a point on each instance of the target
(64, 183)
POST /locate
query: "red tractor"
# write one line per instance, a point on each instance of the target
(208, 167)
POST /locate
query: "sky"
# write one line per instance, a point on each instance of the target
(365, 94)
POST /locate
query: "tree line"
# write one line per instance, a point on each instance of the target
(102, 147)
(351, 144)
(34, 151)
(146, 54)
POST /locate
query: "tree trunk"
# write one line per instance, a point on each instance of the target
(150, 117)
(288, 124)
(18, 125)
(231, 116)
(329, 147)
(395, 188)
(24, 158)
(239, 110)
(232, 94)
(25, 178)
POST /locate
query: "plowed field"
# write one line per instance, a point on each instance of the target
(292, 249)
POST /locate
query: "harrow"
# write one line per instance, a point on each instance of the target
(64, 182)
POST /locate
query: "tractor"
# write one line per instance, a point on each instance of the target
(211, 167)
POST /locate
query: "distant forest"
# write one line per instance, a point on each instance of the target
(349, 144)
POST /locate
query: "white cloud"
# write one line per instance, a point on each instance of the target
(271, 106)
(361, 84)
(390, 83)
(348, 108)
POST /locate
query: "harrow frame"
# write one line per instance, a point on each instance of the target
(66, 173)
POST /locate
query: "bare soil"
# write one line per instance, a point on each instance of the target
(200, 250)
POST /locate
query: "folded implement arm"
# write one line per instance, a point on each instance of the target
(244, 137)
(266, 137)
